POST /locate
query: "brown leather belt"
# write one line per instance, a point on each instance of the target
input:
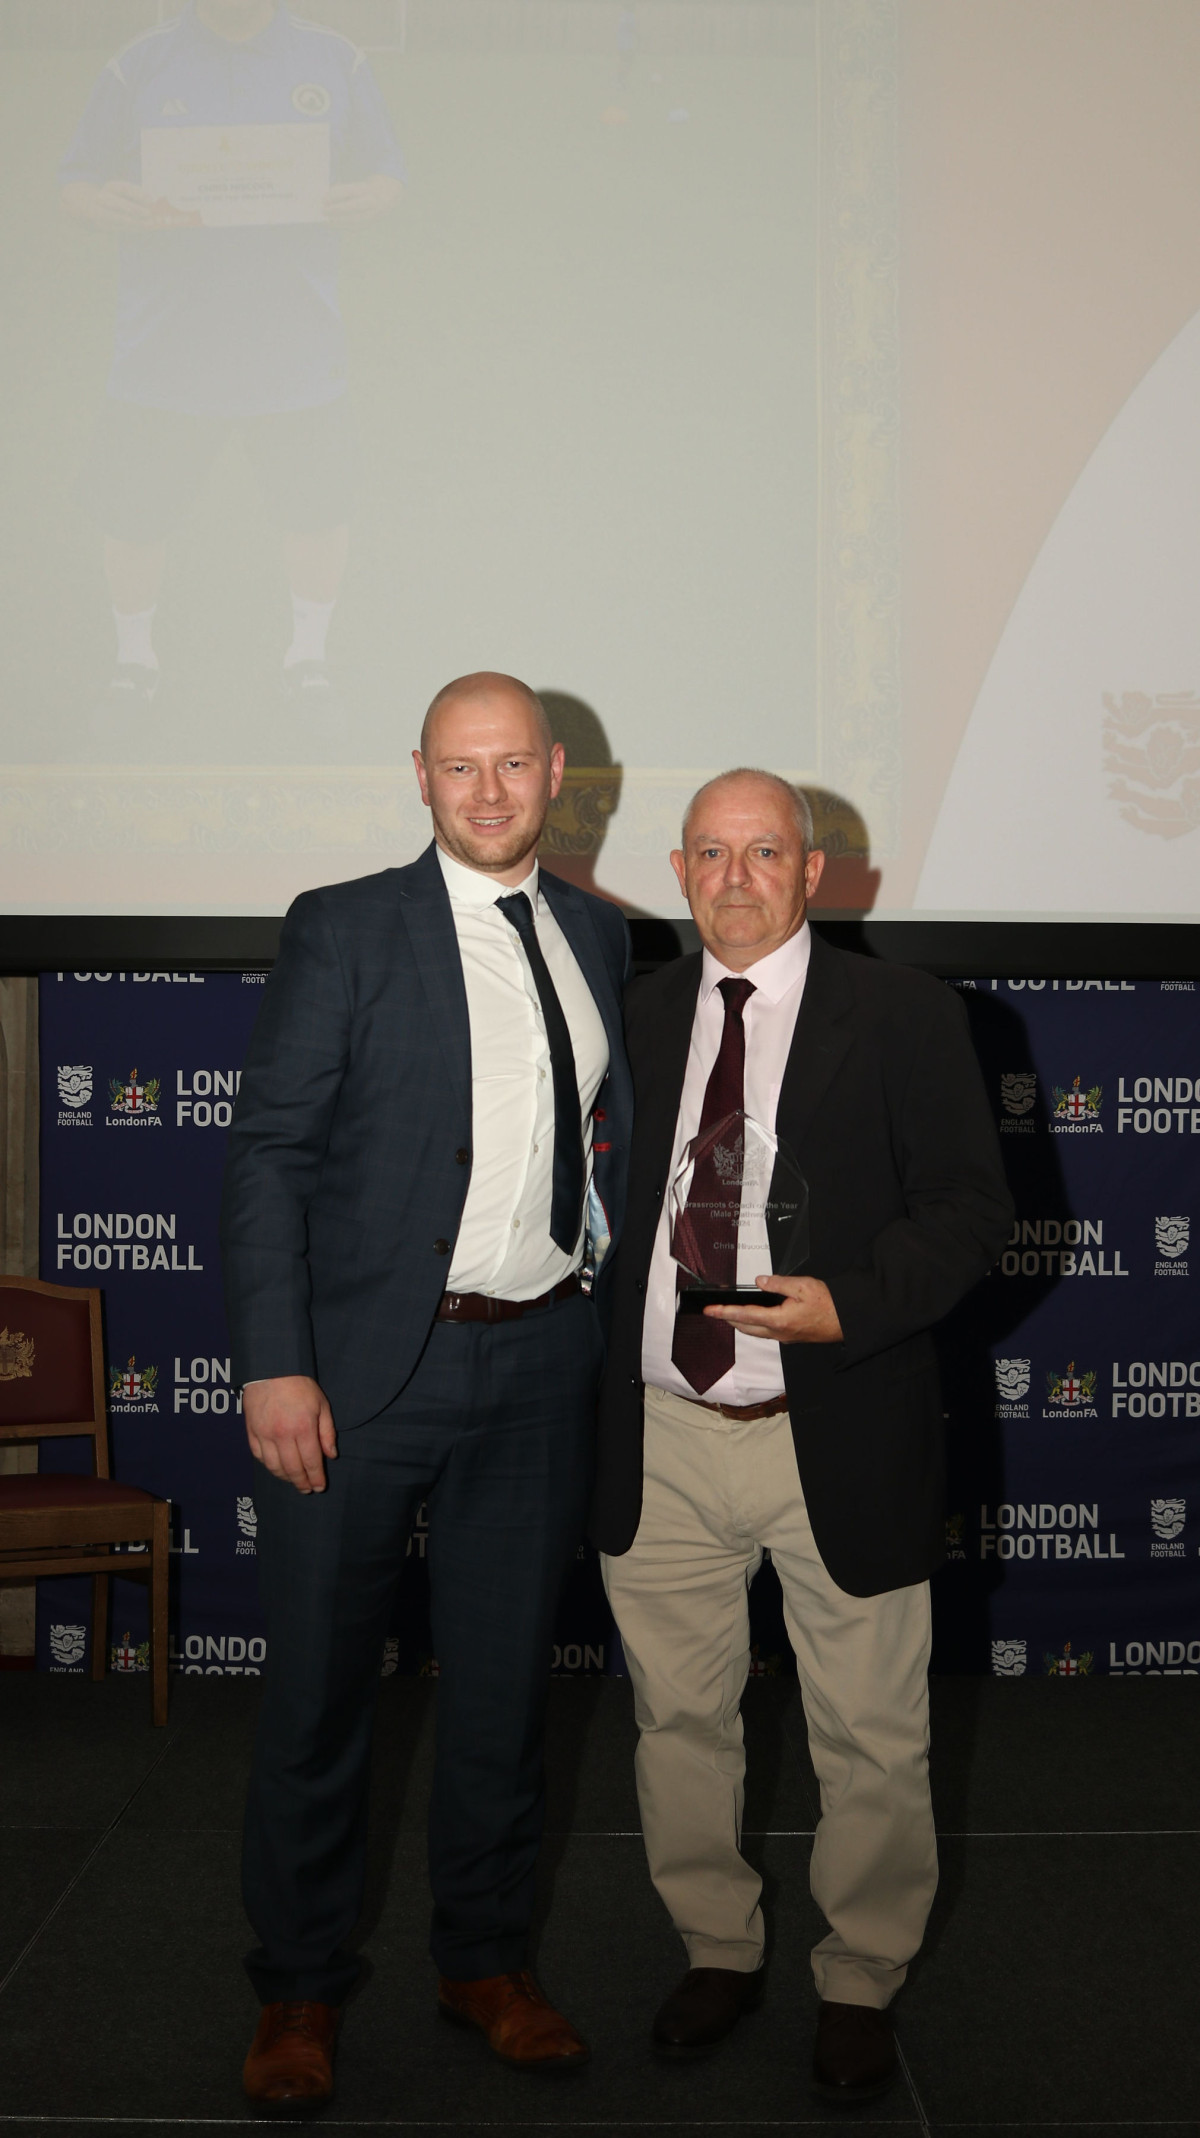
(770, 1409)
(479, 1306)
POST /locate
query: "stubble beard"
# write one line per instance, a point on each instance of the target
(488, 854)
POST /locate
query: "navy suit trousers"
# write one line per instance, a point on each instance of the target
(495, 1432)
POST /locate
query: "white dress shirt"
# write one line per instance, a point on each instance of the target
(769, 1020)
(504, 1245)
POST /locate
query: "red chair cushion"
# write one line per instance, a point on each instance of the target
(20, 1493)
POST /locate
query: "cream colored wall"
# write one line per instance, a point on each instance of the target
(1050, 249)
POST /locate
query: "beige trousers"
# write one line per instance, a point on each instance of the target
(716, 1492)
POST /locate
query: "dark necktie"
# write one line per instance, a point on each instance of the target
(703, 1349)
(566, 1196)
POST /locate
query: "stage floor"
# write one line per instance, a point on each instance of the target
(1059, 1987)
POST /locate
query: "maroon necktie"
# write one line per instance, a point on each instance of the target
(703, 1349)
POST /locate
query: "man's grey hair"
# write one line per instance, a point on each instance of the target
(795, 799)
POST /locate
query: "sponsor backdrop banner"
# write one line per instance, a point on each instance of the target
(139, 1075)
(1071, 1377)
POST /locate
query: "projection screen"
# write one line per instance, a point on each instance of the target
(806, 383)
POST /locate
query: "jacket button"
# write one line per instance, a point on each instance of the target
(599, 1114)
(640, 1285)
(441, 1247)
(462, 1156)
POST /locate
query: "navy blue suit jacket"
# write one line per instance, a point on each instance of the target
(350, 1151)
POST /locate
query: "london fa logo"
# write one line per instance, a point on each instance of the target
(1009, 1659)
(1076, 1111)
(133, 1387)
(1018, 1093)
(124, 1656)
(956, 1530)
(1012, 1387)
(391, 1656)
(247, 1522)
(133, 1102)
(1172, 1237)
(16, 1355)
(67, 1644)
(1071, 1394)
(1067, 1665)
(1167, 1518)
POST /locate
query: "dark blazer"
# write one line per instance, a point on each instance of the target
(350, 1150)
(884, 1108)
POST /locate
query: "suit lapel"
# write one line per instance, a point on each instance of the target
(819, 1043)
(426, 916)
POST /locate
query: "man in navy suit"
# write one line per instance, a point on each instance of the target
(426, 1172)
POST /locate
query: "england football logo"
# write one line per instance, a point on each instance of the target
(1018, 1091)
(1167, 1518)
(1008, 1659)
(1012, 1379)
(74, 1083)
(67, 1644)
(1172, 1235)
(247, 1518)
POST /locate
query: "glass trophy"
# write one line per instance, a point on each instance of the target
(738, 1209)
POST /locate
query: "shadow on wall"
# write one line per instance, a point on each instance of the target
(577, 827)
(849, 886)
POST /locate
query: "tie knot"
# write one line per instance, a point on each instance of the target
(737, 994)
(517, 911)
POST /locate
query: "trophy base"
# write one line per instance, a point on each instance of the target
(693, 1298)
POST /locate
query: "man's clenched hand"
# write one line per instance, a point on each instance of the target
(290, 1429)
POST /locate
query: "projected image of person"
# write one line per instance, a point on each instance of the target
(228, 148)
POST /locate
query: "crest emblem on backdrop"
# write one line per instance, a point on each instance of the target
(1070, 1387)
(1171, 1235)
(67, 1644)
(75, 1083)
(1167, 1518)
(1018, 1091)
(1077, 1105)
(133, 1383)
(130, 1097)
(1067, 1665)
(16, 1356)
(1009, 1659)
(1152, 746)
(1012, 1379)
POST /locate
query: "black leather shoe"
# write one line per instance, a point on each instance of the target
(855, 2054)
(704, 2007)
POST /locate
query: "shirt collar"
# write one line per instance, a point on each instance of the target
(773, 976)
(474, 887)
(261, 41)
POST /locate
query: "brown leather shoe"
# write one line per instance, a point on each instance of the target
(855, 2053)
(703, 2008)
(290, 2065)
(521, 2027)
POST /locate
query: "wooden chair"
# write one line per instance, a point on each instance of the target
(51, 1388)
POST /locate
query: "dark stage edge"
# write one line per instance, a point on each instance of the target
(956, 949)
(1057, 1990)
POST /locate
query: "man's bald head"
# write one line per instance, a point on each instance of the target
(488, 770)
(484, 684)
(792, 799)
